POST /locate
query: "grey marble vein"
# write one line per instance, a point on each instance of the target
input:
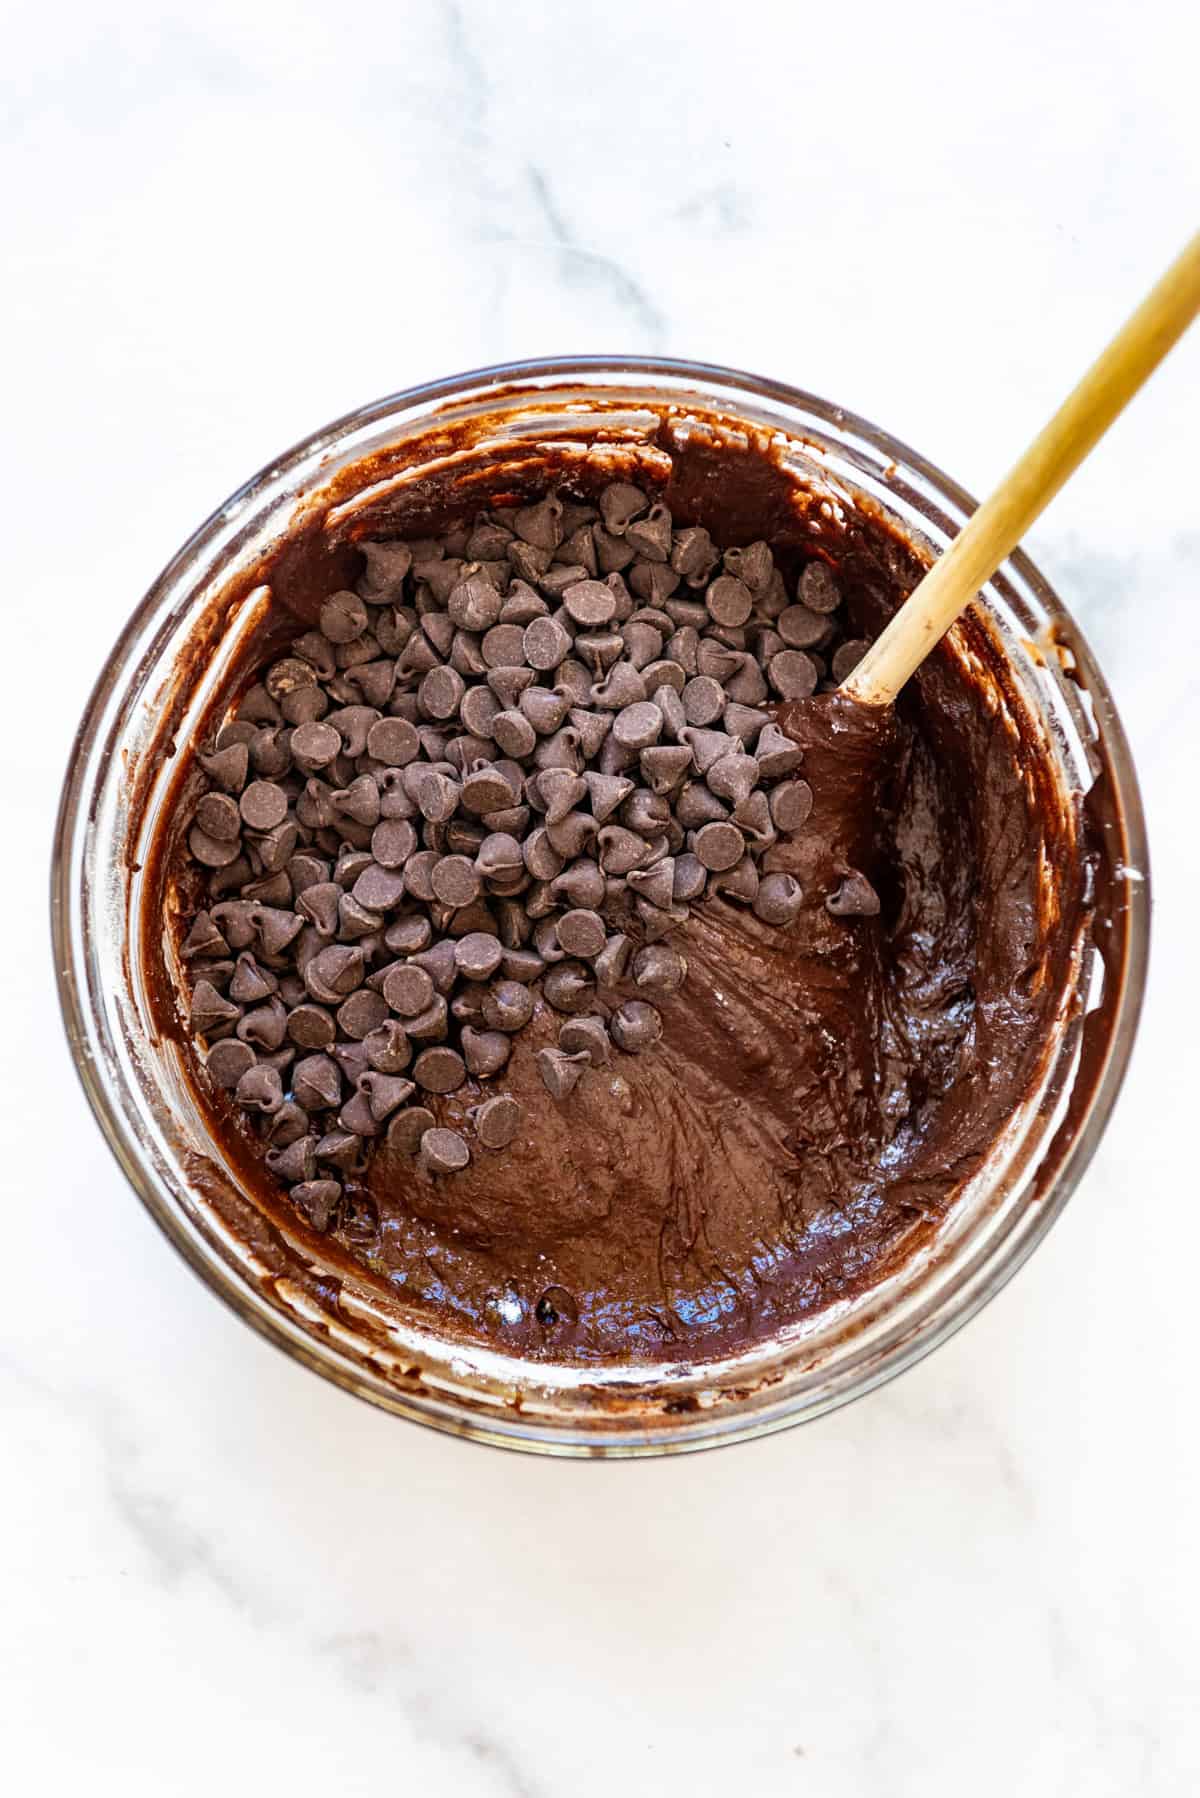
(583, 266)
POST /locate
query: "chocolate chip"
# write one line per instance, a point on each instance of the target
(656, 883)
(319, 904)
(754, 565)
(623, 686)
(287, 1125)
(613, 960)
(209, 1010)
(561, 1073)
(203, 938)
(744, 721)
(646, 812)
(263, 805)
(444, 1152)
(573, 681)
(355, 921)
(752, 816)
(484, 791)
(497, 1121)
(441, 693)
(569, 986)
(739, 882)
(514, 733)
(522, 965)
(408, 990)
(747, 686)
(387, 565)
(317, 1083)
(586, 1035)
(802, 629)
(635, 1026)
(691, 877)
(477, 955)
(473, 604)
(664, 766)
(847, 658)
(361, 1013)
(212, 852)
(217, 815)
(384, 1093)
(387, 1047)
(643, 643)
(817, 589)
(394, 741)
(313, 746)
(729, 600)
(418, 875)
(779, 899)
(704, 700)
(286, 677)
(775, 753)
(651, 536)
(589, 603)
(508, 1005)
(311, 1026)
(620, 850)
(658, 969)
(406, 1130)
(546, 711)
(334, 973)
(791, 803)
(317, 1200)
(606, 792)
(227, 1061)
(343, 617)
(693, 554)
(540, 523)
(260, 1089)
(733, 778)
(235, 918)
(356, 1115)
(228, 767)
(294, 1162)
(581, 933)
(719, 846)
(392, 842)
(853, 897)
(408, 936)
(440, 962)
(455, 881)
(503, 645)
(380, 889)
(547, 643)
(637, 726)
(250, 983)
(485, 1051)
(439, 1070)
(620, 504)
(264, 1025)
(793, 674)
(341, 1149)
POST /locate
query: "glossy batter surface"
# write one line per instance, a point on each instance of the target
(820, 1093)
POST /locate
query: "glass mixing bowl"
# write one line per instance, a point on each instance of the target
(118, 786)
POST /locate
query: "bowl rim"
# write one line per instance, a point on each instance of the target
(222, 1280)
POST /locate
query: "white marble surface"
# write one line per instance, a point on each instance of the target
(226, 224)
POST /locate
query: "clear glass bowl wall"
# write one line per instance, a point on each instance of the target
(137, 1085)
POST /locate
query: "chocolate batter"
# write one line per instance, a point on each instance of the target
(820, 1094)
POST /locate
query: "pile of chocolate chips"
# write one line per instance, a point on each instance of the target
(512, 759)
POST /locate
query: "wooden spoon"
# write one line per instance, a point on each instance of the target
(1001, 521)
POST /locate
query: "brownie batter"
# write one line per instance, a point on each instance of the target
(821, 1092)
